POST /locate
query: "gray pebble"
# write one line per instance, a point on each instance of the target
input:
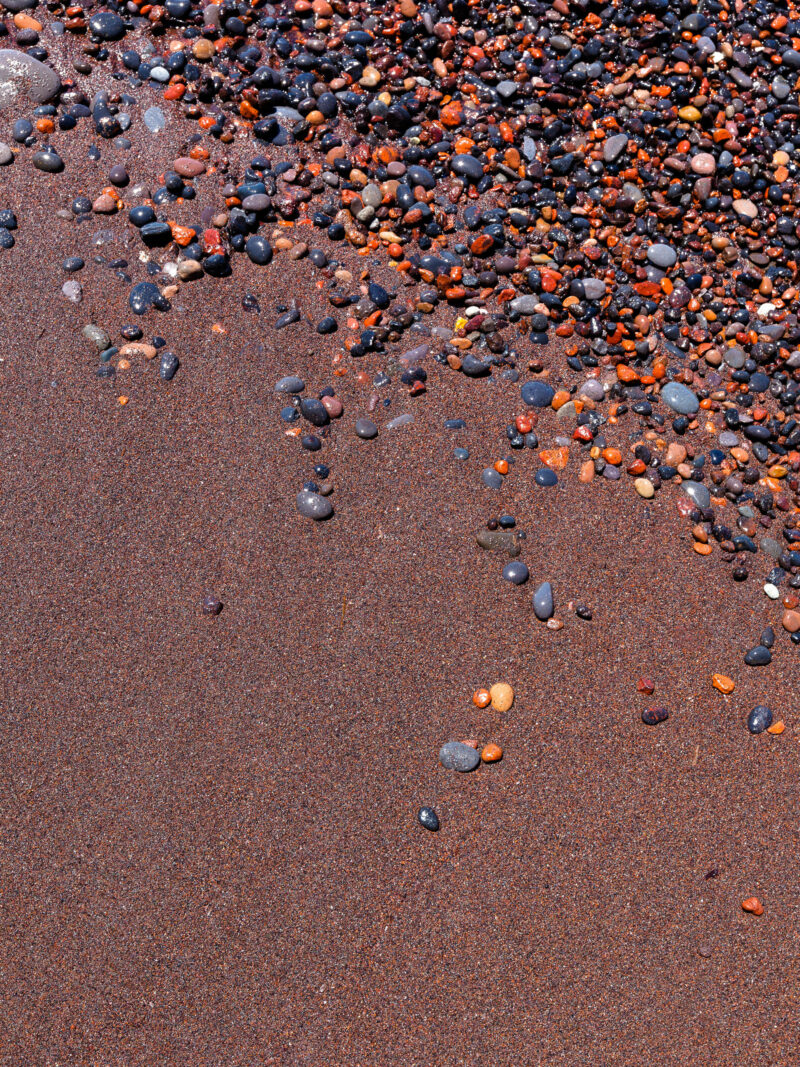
(154, 119)
(543, 606)
(662, 256)
(290, 384)
(680, 398)
(48, 160)
(491, 479)
(366, 429)
(456, 756)
(97, 335)
(6, 155)
(21, 74)
(313, 506)
(698, 493)
(516, 572)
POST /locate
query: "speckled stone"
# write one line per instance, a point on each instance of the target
(456, 756)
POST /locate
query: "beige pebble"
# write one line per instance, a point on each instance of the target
(502, 696)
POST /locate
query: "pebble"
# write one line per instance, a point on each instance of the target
(502, 696)
(290, 384)
(211, 604)
(644, 487)
(680, 398)
(537, 394)
(154, 119)
(516, 572)
(48, 160)
(491, 753)
(491, 478)
(662, 256)
(759, 656)
(543, 605)
(456, 756)
(366, 429)
(428, 818)
(759, 719)
(313, 506)
(654, 716)
(23, 75)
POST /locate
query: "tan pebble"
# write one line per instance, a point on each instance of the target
(502, 696)
(554, 624)
(138, 348)
(644, 488)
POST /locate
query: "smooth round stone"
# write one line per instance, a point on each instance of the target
(211, 605)
(333, 406)
(525, 304)
(48, 160)
(73, 291)
(313, 506)
(256, 202)
(188, 167)
(537, 394)
(258, 249)
(745, 209)
(545, 477)
(516, 572)
(680, 398)
(703, 163)
(290, 384)
(735, 357)
(728, 439)
(592, 389)
(366, 429)
(17, 5)
(653, 716)
(22, 75)
(428, 818)
(107, 25)
(6, 155)
(594, 288)
(662, 256)
(461, 453)
(154, 119)
(759, 719)
(456, 756)
(645, 488)
(543, 606)
(697, 493)
(772, 591)
(467, 167)
(759, 656)
(491, 479)
(474, 367)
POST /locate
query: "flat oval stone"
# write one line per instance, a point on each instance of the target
(22, 75)
(516, 572)
(759, 656)
(697, 493)
(456, 756)
(759, 719)
(188, 167)
(48, 160)
(537, 394)
(107, 25)
(366, 429)
(290, 384)
(703, 163)
(168, 366)
(680, 398)
(313, 506)
(428, 818)
(545, 477)
(662, 256)
(614, 146)
(467, 167)
(313, 411)
(592, 389)
(543, 606)
(491, 479)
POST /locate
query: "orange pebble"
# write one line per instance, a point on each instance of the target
(122, 401)
(501, 466)
(753, 905)
(612, 456)
(491, 753)
(723, 683)
(701, 549)
(481, 698)
(777, 727)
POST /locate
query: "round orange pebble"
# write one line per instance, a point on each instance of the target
(723, 683)
(491, 753)
(481, 698)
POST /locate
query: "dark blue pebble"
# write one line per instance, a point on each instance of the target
(72, 263)
(144, 296)
(537, 394)
(322, 470)
(327, 325)
(544, 476)
(290, 414)
(6, 238)
(516, 572)
(168, 366)
(428, 818)
(455, 424)
(287, 318)
(759, 719)
(8, 219)
(310, 442)
(314, 411)
(759, 656)
(258, 249)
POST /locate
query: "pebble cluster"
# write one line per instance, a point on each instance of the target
(591, 208)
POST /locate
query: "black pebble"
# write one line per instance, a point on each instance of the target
(653, 716)
(428, 818)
